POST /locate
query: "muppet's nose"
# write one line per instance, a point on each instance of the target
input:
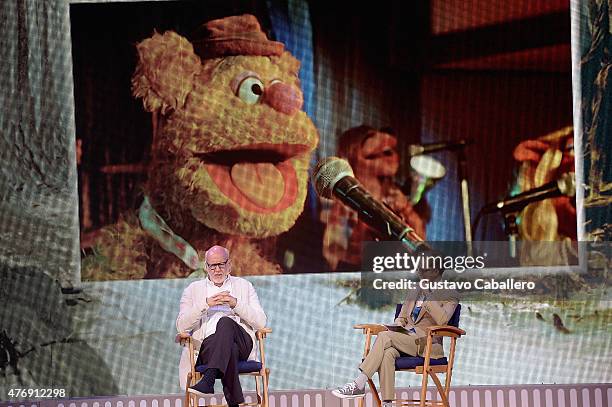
(284, 98)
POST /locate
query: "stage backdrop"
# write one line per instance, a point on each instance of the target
(69, 112)
(399, 93)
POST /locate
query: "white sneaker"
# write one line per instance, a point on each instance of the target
(349, 391)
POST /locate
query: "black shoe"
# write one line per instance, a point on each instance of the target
(204, 386)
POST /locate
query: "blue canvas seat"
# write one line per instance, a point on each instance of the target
(244, 366)
(411, 362)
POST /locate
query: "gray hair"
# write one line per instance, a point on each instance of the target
(217, 248)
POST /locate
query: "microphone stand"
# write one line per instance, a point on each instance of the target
(465, 198)
(463, 184)
(511, 229)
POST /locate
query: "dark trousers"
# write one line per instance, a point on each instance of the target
(222, 350)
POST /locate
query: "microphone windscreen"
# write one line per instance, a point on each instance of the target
(327, 173)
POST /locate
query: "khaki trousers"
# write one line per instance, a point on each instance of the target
(381, 358)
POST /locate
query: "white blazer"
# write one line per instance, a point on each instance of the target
(192, 316)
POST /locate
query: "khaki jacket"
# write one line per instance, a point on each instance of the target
(433, 312)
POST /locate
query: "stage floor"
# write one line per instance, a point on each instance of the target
(544, 395)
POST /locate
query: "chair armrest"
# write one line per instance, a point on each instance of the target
(374, 329)
(185, 339)
(261, 333)
(182, 338)
(445, 330)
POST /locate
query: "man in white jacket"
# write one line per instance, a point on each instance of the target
(222, 313)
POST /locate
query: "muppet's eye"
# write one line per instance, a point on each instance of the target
(250, 90)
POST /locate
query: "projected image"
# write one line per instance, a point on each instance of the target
(194, 130)
(229, 154)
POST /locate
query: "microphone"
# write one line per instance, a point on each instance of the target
(564, 186)
(333, 177)
(450, 145)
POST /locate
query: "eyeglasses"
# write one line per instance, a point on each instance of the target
(221, 265)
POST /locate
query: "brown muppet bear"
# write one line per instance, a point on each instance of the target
(229, 158)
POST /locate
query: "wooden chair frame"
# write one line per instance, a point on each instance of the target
(261, 388)
(370, 330)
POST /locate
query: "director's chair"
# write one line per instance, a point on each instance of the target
(248, 367)
(420, 365)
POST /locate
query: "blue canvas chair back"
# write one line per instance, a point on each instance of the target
(454, 321)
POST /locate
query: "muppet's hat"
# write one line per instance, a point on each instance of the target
(236, 35)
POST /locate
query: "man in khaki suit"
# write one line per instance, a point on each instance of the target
(422, 309)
